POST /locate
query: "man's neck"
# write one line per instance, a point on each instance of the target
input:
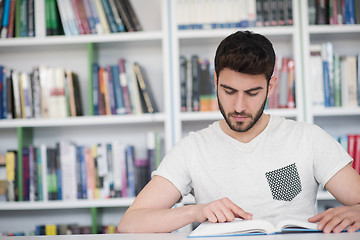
(248, 136)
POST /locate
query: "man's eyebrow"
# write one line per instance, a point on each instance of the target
(228, 87)
(254, 89)
(248, 90)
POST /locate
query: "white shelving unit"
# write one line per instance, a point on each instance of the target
(337, 121)
(286, 40)
(150, 48)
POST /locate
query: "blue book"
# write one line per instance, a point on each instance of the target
(109, 16)
(6, 12)
(349, 12)
(89, 16)
(326, 84)
(58, 173)
(119, 99)
(130, 165)
(111, 90)
(2, 91)
(95, 88)
(83, 173)
(40, 177)
(78, 172)
(95, 16)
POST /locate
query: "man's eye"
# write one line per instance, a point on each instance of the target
(252, 94)
(229, 92)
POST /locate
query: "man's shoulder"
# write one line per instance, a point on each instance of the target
(288, 125)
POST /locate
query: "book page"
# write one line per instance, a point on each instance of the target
(295, 225)
(236, 227)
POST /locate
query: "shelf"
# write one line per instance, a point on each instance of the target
(84, 120)
(83, 39)
(220, 33)
(118, 202)
(334, 29)
(336, 111)
(201, 116)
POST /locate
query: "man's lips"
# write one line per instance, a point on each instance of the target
(239, 118)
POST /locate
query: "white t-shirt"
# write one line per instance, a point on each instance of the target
(275, 176)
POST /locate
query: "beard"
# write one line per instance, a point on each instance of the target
(241, 126)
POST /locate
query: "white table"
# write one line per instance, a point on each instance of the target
(181, 236)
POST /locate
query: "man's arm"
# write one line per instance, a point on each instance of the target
(152, 210)
(345, 187)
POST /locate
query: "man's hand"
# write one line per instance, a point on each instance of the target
(338, 219)
(222, 210)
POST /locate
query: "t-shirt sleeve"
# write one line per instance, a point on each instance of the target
(174, 167)
(329, 156)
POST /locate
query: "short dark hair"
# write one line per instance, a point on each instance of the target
(245, 52)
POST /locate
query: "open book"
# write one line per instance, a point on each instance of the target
(251, 227)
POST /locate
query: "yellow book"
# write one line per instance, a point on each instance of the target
(50, 229)
(102, 17)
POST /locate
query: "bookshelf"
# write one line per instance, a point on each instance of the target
(203, 42)
(158, 48)
(344, 39)
(150, 48)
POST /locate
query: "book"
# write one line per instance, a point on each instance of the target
(119, 23)
(149, 105)
(11, 25)
(124, 86)
(133, 16)
(109, 16)
(125, 17)
(196, 82)
(10, 158)
(133, 88)
(105, 28)
(118, 95)
(349, 81)
(183, 70)
(31, 18)
(251, 227)
(5, 19)
(90, 17)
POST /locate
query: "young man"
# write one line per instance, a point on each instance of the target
(248, 165)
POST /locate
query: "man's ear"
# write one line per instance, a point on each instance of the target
(272, 85)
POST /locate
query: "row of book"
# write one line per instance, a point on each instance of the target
(351, 143)
(69, 171)
(17, 18)
(45, 92)
(283, 95)
(197, 89)
(77, 17)
(204, 14)
(122, 88)
(334, 12)
(335, 78)
(63, 229)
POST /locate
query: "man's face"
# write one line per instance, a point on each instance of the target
(241, 98)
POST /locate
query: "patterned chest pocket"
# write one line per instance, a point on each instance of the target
(284, 183)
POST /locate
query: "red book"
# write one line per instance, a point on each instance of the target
(351, 147)
(77, 16)
(356, 163)
(11, 26)
(83, 17)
